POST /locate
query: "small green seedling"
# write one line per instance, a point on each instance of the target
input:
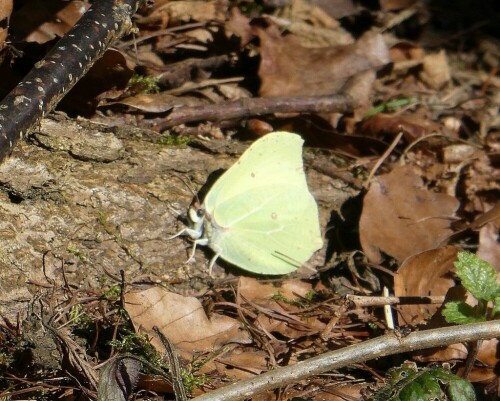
(479, 278)
(391, 106)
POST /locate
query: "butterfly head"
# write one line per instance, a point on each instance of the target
(196, 215)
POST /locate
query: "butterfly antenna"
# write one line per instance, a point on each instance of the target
(188, 186)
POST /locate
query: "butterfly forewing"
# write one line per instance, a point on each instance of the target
(276, 158)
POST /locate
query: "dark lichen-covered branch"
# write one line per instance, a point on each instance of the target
(64, 65)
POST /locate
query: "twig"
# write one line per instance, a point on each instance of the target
(72, 353)
(71, 58)
(257, 107)
(174, 366)
(382, 159)
(363, 301)
(388, 344)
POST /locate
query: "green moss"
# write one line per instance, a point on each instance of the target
(173, 140)
(142, 84)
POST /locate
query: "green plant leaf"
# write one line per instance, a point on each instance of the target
(408, 383)
(412, 392)
(477, 276)
(496, 306)
(430, 386)
(460, 313)
(461, 390)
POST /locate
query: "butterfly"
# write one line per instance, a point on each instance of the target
(259, 215)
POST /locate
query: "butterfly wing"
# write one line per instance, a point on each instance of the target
(263, 217)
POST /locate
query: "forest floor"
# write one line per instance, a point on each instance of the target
(397, 102)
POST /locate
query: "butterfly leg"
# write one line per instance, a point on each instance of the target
(182, 232)
(191, 232)
(202, 242)
(214, 259)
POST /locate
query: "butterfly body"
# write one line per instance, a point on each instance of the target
(259, 215)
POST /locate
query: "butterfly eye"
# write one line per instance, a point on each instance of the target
(196, 213)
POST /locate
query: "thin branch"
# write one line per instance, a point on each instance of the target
(388, 344)
(382, 159)
(70, 59)
(252, 107)
(363, 301)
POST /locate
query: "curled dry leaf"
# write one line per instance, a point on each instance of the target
(425, 274)
(401, 217)
(289, 69)
(118, 378)
(182, 320)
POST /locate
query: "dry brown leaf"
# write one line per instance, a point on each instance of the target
(336, 392)
(303, 10)
(239, 25)
(401, 217)
(5, 11)
(177, 12)
(49, 21)
(405, 52)
(242, 363)
(289, 69)
(459, 152)
(480, 375)
(481, 183)
(254, 290)
(425, 274)
(336, 9)
(487, 356)
(412, 126)
(156, 102)
(182, 320)
(389, 5)
(110, 72)
(436, 72)
(311, 25)
(279, 318)
(489, 246)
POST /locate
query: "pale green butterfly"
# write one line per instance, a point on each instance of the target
(259, 215)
